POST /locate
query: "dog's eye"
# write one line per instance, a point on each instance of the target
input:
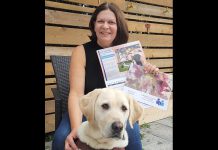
(105, 106)
(124, 108)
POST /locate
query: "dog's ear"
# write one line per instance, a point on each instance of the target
(136, 110)
(87, 104)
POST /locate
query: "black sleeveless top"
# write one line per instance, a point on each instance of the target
(93, 76)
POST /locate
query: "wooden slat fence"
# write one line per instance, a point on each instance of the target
(66, 26)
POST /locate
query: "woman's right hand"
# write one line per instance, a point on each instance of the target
(69, 142)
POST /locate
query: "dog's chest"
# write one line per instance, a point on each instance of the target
(84, 146)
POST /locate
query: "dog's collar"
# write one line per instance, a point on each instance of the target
(84, 146)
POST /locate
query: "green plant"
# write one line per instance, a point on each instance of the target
(142, 135)
(49, 137)
(145, 125)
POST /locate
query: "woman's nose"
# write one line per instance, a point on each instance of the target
(106, 25)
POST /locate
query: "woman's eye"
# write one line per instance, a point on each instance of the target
(111, 22)
(100, 21)
(105, 106)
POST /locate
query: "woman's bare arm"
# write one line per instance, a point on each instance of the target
(77, 84)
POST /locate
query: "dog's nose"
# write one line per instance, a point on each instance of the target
(117, 126)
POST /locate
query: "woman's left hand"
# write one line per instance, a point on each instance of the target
(148, 67)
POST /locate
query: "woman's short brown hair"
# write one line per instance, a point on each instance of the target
(122, 28)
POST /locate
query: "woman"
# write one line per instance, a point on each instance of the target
(108, 28)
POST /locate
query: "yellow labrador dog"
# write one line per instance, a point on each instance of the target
(107, 111)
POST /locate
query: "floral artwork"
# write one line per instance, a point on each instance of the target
(159, 85)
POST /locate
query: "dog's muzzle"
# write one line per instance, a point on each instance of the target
(117, 127)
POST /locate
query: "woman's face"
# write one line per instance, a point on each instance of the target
(105, 28)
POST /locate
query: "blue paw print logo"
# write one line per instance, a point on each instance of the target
(160, 103)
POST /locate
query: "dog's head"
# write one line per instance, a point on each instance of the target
(109, 110)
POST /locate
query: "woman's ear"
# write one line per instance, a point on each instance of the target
(136, 110)
(87, 104)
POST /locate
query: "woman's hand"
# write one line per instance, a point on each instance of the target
(69, 142)
(148, 67)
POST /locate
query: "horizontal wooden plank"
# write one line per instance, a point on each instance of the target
(61, 35)
(48, 92)
(151, 53)
(168, 3)
(161, 62)
(88, 2)
(48, 69)
(63, 51)
(66, 18)
(49, 123)
(74, 19)
(166, 70)
(148, 9)
(144, 18)
(149, 40)
(154, 28)
(120, 3)
(50, 80)
(69, 7)
(49, 106)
